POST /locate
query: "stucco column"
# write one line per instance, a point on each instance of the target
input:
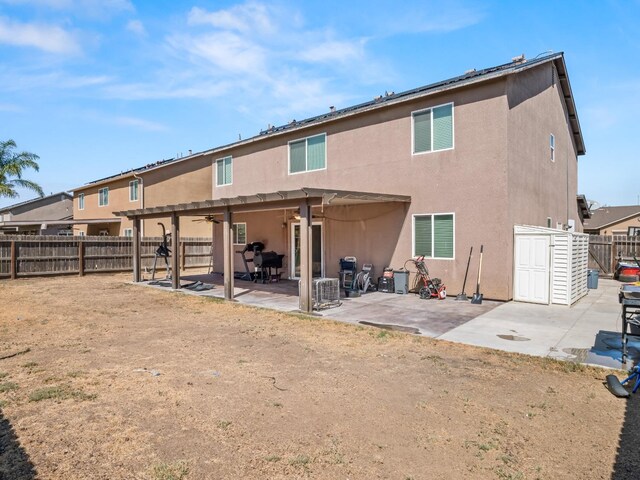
(175, 258)
(136, 249)
(306, 299)
(227, 240)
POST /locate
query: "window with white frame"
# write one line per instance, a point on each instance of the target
(433, 129)
(224, 171)
(434, 235)
(240, 233)
(308, 154)
(128, 232)
(103, 197)
(81, 201)
(81, 233)
(133, 190)
(552, 146)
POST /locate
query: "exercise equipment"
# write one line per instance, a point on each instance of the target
(162, 252)
(617, 387)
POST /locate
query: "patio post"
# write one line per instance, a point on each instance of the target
(175, 258)
(306, 299)
(227, 240)
(136, 249)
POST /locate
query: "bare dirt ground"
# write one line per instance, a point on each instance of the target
(113, 381)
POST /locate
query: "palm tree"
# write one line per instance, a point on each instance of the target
(11, 167)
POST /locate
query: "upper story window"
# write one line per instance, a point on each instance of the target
(103, 197)
(224, 171)
(81, 201)
(128, 232)
(240, 233)
(433, 129)
(552, 145)
(434, 235)
(133, 190)
(308, 154)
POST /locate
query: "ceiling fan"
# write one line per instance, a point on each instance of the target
(206, 218)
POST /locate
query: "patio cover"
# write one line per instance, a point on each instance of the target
(304, 199)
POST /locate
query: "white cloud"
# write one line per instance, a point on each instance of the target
(335, 51)
(49, 38)
(44, 82)
(248, 17)
(227, 51)
(136, 26)
(140, 124)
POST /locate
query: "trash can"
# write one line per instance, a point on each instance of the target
(592, 279)
(401, 281)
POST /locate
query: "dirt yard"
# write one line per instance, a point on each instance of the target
(100, 379)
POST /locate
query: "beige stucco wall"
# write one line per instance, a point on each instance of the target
(621, 228)
(538, 188)
(53, 208)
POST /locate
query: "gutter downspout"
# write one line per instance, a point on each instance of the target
(141, 189)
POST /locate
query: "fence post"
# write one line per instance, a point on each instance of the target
(14, 261)
(614, 253)
(81, 258)
(183, 257)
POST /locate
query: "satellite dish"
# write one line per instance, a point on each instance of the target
(593, 204)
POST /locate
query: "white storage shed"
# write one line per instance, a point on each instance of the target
(550, 266)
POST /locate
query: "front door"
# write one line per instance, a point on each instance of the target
(316, 254)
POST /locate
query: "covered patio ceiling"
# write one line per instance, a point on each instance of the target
(266, 201)
(303, 199)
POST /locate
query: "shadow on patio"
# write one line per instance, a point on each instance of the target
(392, 311)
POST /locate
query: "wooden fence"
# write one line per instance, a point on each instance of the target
(27, 255)
(604, 251)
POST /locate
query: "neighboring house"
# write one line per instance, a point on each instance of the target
(431, 171)
(50, 215)
(622, 220)
(151, 185)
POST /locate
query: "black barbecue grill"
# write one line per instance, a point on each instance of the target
(264, 262)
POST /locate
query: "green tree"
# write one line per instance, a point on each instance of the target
(11, 166)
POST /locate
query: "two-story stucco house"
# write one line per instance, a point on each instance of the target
(431, 171)
(48, 215)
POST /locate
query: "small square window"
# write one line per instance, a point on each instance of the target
(128, 232)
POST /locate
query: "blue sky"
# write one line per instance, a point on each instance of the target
(95, 87)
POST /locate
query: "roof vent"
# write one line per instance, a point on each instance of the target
(471, 70)
(388, 94)
(377, 98)
(332, 108)
(519, 59)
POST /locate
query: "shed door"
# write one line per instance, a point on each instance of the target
(532, 269)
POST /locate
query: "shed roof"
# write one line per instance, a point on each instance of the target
(392, 98)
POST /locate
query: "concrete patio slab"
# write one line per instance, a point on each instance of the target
(589, 332)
